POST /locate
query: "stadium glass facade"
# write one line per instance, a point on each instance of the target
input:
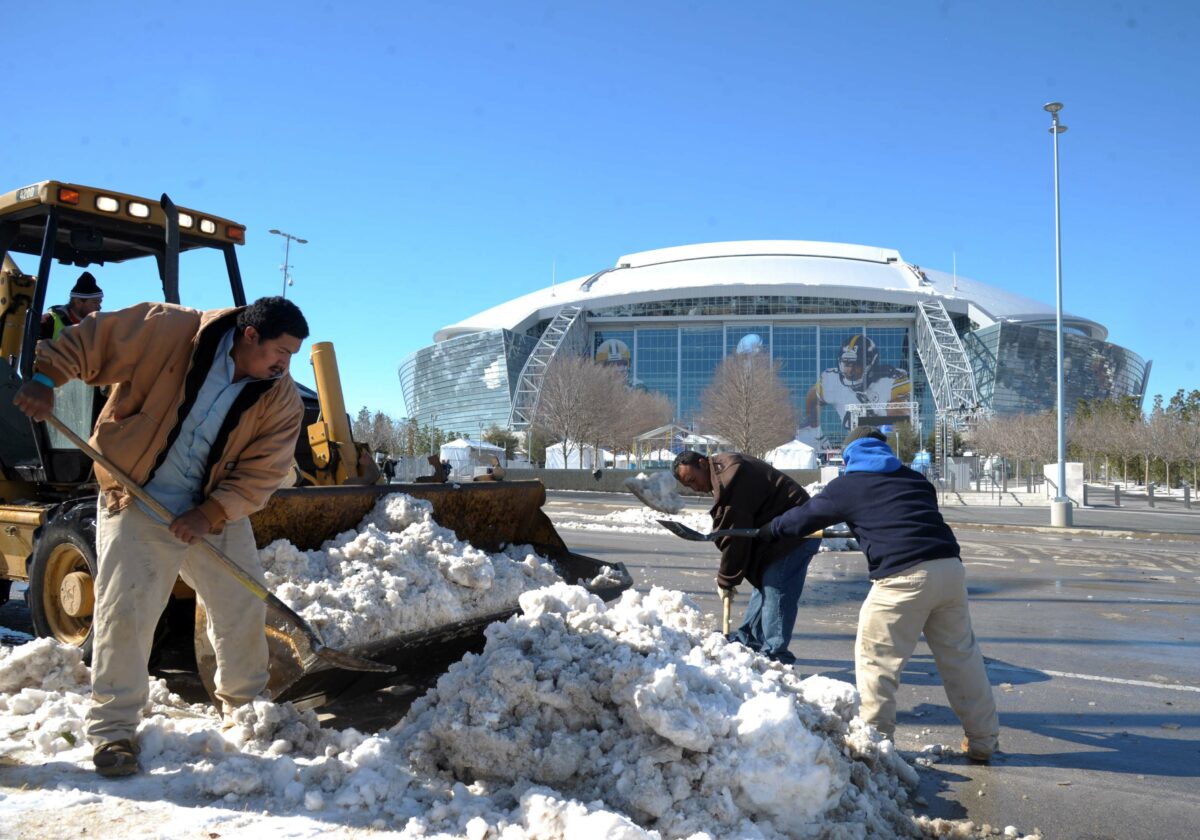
(674, 345)
(459, 384)
(1016, 368)
(680, 361)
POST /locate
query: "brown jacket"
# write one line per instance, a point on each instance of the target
(156, 356)
(749, 493)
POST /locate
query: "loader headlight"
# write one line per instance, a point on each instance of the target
(208, 226)
(138, 210)
(186, 220)
(107, 204)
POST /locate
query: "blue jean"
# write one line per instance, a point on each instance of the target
(771, 613)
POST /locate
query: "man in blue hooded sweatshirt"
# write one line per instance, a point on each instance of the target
(917, 585)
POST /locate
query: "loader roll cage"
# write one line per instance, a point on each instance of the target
(84, 226)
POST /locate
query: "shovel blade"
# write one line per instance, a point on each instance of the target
(350, 662)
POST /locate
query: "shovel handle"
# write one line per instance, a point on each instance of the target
(726, 609)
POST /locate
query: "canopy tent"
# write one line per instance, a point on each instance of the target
(794, 455)
(465, 454)
(575, 456)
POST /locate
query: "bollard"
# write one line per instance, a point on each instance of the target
(1085, 498)
(1150, 493)
(1116, 495)
(1187, 496)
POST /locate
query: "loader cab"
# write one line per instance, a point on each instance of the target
(49, 233)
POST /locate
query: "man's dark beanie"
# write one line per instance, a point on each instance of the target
(860, 432)
(85, 287)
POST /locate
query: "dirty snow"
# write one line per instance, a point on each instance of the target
(659, 490)
(399, 572)
(578, 719)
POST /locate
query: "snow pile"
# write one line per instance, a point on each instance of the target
(578, 719)
(659, 490)
(638, 706)
(43, 665)
(400, 572)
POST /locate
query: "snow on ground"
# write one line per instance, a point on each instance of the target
(578, 719)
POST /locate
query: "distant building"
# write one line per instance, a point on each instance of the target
(860, 335)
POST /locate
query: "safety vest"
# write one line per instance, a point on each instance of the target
(61, 319)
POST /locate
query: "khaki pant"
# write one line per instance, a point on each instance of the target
(930, 597)
(138, 561)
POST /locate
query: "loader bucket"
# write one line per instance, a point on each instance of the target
(489, 515)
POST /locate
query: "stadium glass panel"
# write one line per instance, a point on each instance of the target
(656, 362)
(701, 350)
(795, 349)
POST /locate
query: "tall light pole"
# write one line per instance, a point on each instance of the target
(287, 280)
(1060, 507)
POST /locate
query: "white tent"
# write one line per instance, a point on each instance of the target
(464, 455)
(580, 457)
(795, 455)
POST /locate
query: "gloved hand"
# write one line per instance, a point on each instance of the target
(766, 534)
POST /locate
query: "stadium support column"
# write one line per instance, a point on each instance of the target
(1060, 507)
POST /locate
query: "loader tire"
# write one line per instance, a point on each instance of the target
(61, 578)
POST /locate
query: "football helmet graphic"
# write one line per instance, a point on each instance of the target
(859, 358)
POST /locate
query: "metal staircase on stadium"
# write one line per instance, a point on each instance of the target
(565, 333)
(948, 369)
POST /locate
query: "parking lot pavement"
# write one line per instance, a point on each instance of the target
(1091, 642)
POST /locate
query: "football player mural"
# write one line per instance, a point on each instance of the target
(858, 378)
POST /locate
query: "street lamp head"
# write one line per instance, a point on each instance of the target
(302, 241)
(272, 230)
(1053, 107)
(1057, 128)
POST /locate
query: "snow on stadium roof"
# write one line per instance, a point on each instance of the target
(764, 267)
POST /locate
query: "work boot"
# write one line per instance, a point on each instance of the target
(982, 756)
(116, 758)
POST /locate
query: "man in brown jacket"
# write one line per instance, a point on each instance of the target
(748, 493)
(203, 413)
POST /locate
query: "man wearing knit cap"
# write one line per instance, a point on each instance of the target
(86, 298)
(918, 586)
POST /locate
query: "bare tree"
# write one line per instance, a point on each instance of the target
(575, 397)
(749, 404)
(640, 411)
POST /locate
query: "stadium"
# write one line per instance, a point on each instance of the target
(857, 333)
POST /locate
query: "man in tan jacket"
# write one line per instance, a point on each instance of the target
(203, 413)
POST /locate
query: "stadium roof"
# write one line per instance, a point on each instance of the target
(765, 267)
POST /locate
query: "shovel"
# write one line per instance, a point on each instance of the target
(681, 530)
(304, 638)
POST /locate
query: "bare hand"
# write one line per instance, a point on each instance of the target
(35, 400)
(191, 527)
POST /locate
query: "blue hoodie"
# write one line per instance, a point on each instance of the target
(891, 509)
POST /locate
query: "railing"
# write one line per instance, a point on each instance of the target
(1094, 494)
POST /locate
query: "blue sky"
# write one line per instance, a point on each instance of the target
(444, 157)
